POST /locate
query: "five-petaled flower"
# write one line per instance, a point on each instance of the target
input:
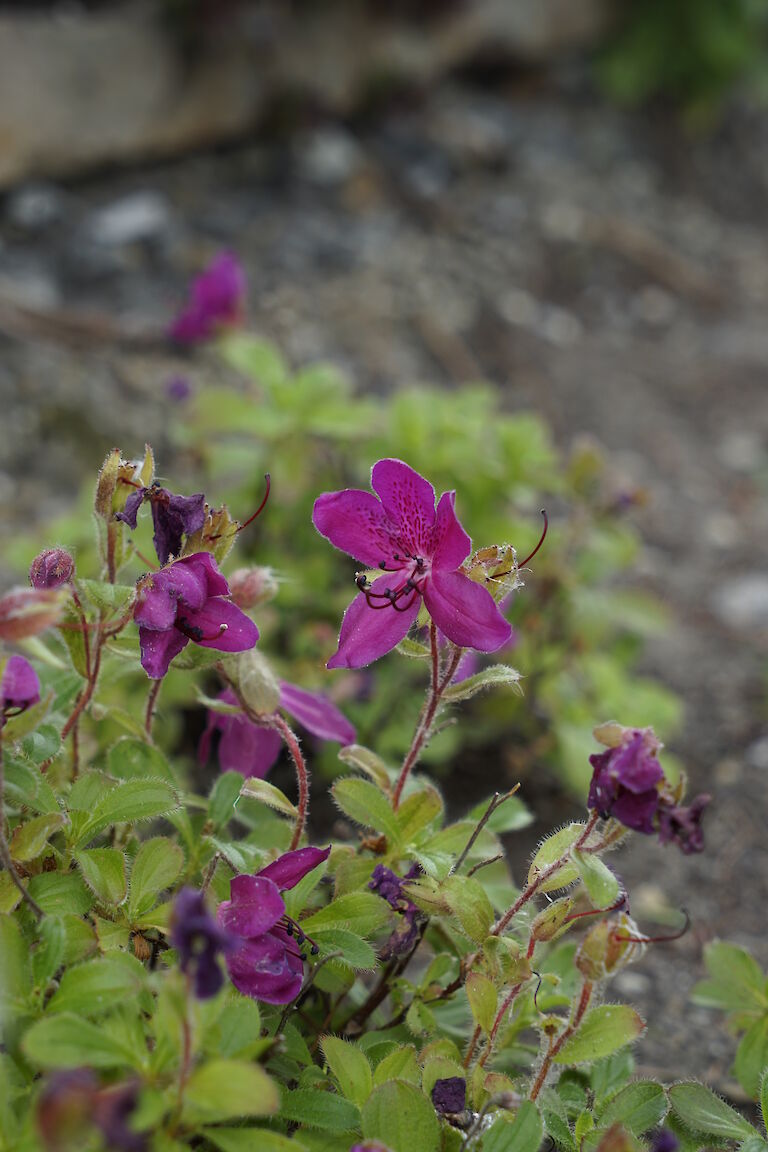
(198, 939)
(183, 602)
(172, 516)
(252, 749)
(216, 301)
(628, 783)
(19, 687)
(420, 548)
(268, 963)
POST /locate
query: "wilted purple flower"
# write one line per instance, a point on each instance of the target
(268, 964)
(369, 1146)
(389, 886)
(665, 1141)
(112, 1112)
(216, 301)
(72, 1100)
(51, 568)
(625, 779)
(682, 824)
(172, 516)
(252, 750)
(183, 602)
(199, 940)
(19, 686)
(449, 1096)
(421, 549)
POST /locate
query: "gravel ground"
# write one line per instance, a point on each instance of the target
(603, 268)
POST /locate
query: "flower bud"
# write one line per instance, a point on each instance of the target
(252, 586)
(27, 612)
(52, 568)
(608, 947)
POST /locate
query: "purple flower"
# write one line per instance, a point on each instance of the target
(389, 886)
(664, 1141)
(113, 1109)
(625, 779)
(267, 963)
(51, 568)
(199, 939)
(449, 1096)
(178, 389)
(184, 602)
(172, 516)
(370, 1146)
(73, 1101)
(19, 686)
(252, 749)
(682, 825)
(215, 301)
(421, 549)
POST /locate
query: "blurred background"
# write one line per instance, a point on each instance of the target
(564, 198)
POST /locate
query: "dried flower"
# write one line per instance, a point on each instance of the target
(449, 1096)
(173, 517)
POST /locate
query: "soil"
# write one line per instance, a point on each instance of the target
(604, 268)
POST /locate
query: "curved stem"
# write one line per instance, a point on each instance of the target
(506, 1005)
(576, 1019)
(426, 719)
(302, 777)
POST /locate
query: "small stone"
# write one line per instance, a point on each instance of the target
(743, 602)
(654, 306)
(137, 218)
(329, 156)
(757, 754)
(742, 450)
(34, 207)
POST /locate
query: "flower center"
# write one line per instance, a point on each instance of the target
(402, 598)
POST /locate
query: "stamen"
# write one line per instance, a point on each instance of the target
(657, 939)
(261, 506)
(621, 903)
(292, 928)
(195, 633)
(538, 986)
(130, 483)
(522, 563)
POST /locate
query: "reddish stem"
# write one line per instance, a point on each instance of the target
(583, 1004)
(506, 1005)
(302, 777)
(151, 702)
(5, 851)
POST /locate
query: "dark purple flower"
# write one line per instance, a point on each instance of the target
(178, 389)
(664, 1141)
(267, 964)
(389, 886)
(72, 1101)
(420, 548)
(113, 1109)
(172, 516)
(449, 1096)
(19, 686)
(216, 301)
(183, 602)
(51, 568)
(370, 1146)
(252, 750)
(199, 940)
(682, 824)
(625, 779)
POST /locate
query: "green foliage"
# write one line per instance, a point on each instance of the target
(738, 986)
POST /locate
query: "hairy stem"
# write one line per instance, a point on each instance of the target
(576, 1019)
(5, 851)
(154, 692)
(302, 778)
(506, 1005)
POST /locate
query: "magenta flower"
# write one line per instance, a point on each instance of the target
(215, 301)
(681, 825)
(19, 687)
(268, 964)
(183, 602)
(51, 569)
(252, 749)
(420, 548)
(198, 939)
(172, 516)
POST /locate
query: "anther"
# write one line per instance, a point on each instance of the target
(522, 563)
(196, 634)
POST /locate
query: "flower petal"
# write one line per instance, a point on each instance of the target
(158, 649)
(316, 713)
(255, 907)
(408, 500)
(450, 543)
(465, 611)
(207, 572)
(368, 633)
(355, 522)
(173, 516)
(131, 508)
(291, 867)
(19, 687)
(187, 585)
(267, 969)
(155, 606)
(204, 626)
(244, 747)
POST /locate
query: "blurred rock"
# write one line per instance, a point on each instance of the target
(83, 88)
(742, 602)
(329, 156)
(139, 217)
(35, 207)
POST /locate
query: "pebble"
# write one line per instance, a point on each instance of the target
(742, 450)
(137, 218)
(34, 207)
(742, 602)
(757, 754)
(329, 156)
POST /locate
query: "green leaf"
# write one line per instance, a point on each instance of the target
(224, 1089)
(639, 1107)
(498, 675)
(356, 756)
(237, 1032)
(25, 784)
(15, 963)
(266, 793)
(69, 1041)
(737, 982)
(60, 892)
(524, 1134)
(366, 804)
(49, 954)
(602, 1031)
(103, 870)
(95, 987)
(29, 840)
(359, 912)
(700, 1109)
(398, 1065)
(752, 1057)
(355, 952)
(251, 1140)
(469, 903)
(601, 884)
(319, 1109)
(350, 1067)
(131, 759)
(127, 803)
(483, 999)
(257, 359)
(551, 850)
(417, 812)
(223, 798)
(157, 865)
(400, 1115)
(753, 1144)
(764, 1099)
(112, 598)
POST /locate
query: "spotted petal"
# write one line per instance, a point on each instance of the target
(368, 633)
(205, 626)
(409, 502)
(450, 543)
(355, 522)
